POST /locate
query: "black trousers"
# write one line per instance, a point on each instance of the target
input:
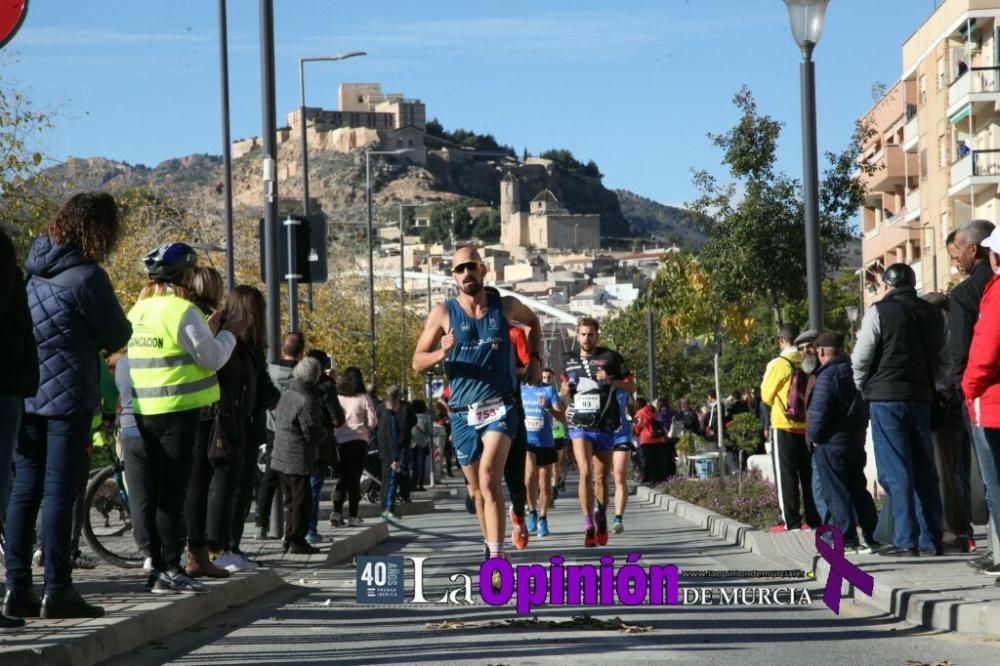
(794, 469)
(513, 471)
(297, 494)
(654, 463)
(419, 466)
(222, 492)
(352, 462)
(196, 501)
(159, 475)
(842, 473)
(245, 490)
(266, 488)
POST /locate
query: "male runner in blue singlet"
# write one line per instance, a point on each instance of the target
(592, 375)
(471, 335)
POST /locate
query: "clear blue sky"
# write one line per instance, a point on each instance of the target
(633, 85)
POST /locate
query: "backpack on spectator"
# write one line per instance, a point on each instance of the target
(655, 427)
(795, 410)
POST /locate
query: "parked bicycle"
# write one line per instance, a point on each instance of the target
(108, 524)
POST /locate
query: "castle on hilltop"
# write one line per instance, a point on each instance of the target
(546, 224)
(365, 117)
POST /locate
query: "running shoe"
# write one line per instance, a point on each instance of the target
(589, 538)
(532, 521)
(601, 522)
(354, 521)
(616, 526)
(389, 515)
(336, 520)
(780, 527)
(314, 538)
(519, 533)
(543, 527)
(175, 582)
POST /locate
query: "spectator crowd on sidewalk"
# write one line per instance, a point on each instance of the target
(207, 427)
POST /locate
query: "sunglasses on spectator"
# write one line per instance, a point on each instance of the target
(466, 267)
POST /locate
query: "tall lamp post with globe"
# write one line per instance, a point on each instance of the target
(806, 18)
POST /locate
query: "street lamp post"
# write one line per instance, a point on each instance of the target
(371, 255)
(402, 294)
(806, 18)
(852, 316)
(302, 134)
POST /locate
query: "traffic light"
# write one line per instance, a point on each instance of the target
(310, 248)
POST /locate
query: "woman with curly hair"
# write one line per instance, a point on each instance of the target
(75, 314)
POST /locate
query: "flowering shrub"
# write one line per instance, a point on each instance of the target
(756, 506)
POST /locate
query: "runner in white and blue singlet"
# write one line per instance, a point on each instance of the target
(591, 377)
(540, 401)
(470, 334)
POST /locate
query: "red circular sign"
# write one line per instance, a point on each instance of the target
(12, 13)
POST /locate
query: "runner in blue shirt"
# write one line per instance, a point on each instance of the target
(540, 402)
(470, 334)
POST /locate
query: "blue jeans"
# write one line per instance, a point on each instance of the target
(316, 481)
(901, 431)
(390, 489)
(11, 407)
(50, 454)
(819, 499)
(987, 443)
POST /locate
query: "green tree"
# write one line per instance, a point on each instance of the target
(24, 202)
(486, 226)
(755, 223)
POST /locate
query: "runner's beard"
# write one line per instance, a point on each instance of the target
(472, 287)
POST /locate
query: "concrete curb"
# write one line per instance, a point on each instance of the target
(148, 620)
(347, 547)
(928, 608)
(135, 620)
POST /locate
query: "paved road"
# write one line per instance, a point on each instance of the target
(318, 620)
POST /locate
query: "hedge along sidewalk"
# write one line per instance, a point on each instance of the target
(939, 593)
(135, 618)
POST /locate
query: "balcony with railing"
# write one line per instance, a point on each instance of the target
(978, 84)
(912, 205)
(975, 171)
(890, 169)
(911, 135)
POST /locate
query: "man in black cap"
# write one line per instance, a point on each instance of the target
(894, 361)
(836, 424)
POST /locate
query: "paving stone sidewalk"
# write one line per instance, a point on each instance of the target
(940, 593)
(135, 618)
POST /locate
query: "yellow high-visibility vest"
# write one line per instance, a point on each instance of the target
(165, 378)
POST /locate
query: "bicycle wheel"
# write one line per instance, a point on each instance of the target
(108, 523)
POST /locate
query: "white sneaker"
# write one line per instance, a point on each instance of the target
(147, 564)
(354, 521)
(227, 561)
(38, 560)
(246, 563)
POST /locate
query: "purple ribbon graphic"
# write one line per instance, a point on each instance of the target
(840, 569)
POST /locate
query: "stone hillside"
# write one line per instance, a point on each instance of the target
(337, 183)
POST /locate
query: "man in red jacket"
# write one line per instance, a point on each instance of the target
(981, 388)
